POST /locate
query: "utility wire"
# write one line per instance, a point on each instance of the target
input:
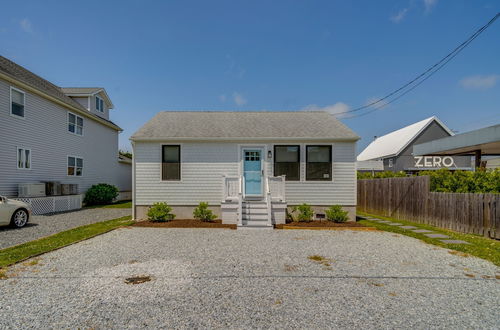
(429, 72)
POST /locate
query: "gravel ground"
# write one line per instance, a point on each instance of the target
(44, 225)
(216, 278)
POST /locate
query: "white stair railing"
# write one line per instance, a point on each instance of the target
(268, 202)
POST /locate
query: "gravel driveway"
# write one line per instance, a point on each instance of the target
(251, 279)
(44, 225)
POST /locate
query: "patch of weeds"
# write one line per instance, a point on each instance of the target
(486, 277)
(3, 274)
(458, 253)
(133, 261)
(291, 268)
(278, 302)
(469, 275)
(376, 284)
(321, 260)
(137, 279)
(497, 277)
(32, 262)
(393, 294)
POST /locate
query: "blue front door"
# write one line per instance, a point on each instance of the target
(252, 171)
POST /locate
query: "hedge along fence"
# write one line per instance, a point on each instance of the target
(411, 199)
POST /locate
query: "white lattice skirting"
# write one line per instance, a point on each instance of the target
(51, 204)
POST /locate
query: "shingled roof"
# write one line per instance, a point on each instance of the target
(18, 73)
(312, 125)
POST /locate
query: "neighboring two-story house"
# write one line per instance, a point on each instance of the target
(48, 133)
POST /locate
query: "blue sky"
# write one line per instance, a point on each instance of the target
(265, 55)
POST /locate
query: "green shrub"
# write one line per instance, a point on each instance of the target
(100, 194)
(201, 212)
(304, 213)
(160, 212)
(336, 214)
(445, 180)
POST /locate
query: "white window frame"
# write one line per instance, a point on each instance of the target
(390, 162)
(76, 124)
(99, 101)
(74, 172)
(24, 100)
(23, 158)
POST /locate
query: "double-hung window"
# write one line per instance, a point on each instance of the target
(287, 162)
(99, 104)
(17, 99)
(23, 158)
(171, 163)
(75, 166)
(319, 163)
(75, 124)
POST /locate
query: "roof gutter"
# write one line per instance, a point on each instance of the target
(55, 100)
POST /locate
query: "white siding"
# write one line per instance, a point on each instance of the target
(203, 164)
(84, 101)
(44, 131)
(124, 179)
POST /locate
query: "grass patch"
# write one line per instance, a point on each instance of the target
(322, 261)
(117, 205)
(481, 247)
(27, 250)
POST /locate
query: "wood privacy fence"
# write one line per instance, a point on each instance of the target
(411, 199)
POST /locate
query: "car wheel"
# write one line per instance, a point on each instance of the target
(19, 218)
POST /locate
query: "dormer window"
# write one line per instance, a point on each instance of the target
(99, 104)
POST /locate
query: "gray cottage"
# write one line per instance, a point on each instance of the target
(394, 151)
(249, 166)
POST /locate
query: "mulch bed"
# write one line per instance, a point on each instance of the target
(322, 224)
(184, 223)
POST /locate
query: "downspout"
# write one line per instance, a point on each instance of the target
(133, 181)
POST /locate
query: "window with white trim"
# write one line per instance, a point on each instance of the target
(99, 104)
(17, 99)
(23, 158)
(75, 166)
(75, 124)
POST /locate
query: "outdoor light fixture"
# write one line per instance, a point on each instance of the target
(269, 154)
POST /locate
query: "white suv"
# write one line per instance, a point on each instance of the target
(14, 213)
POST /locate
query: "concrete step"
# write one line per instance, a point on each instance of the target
(256, 217)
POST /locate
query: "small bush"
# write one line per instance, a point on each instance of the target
(305, 213)
(201, 212)
(336, 214)
(160, 212)
(100, 194)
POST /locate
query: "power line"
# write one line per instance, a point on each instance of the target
(423, 76)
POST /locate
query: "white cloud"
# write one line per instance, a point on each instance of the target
(338, 109)
(429, 4)
(399, 16)
(223, 97)
(480, 81)
(26, 25)
(239, 99)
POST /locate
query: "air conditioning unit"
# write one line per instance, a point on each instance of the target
(69, 189)
(31, 190)
(53, 188)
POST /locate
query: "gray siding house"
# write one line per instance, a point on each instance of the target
(394, 151)
(49, 133)
(249, 166)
